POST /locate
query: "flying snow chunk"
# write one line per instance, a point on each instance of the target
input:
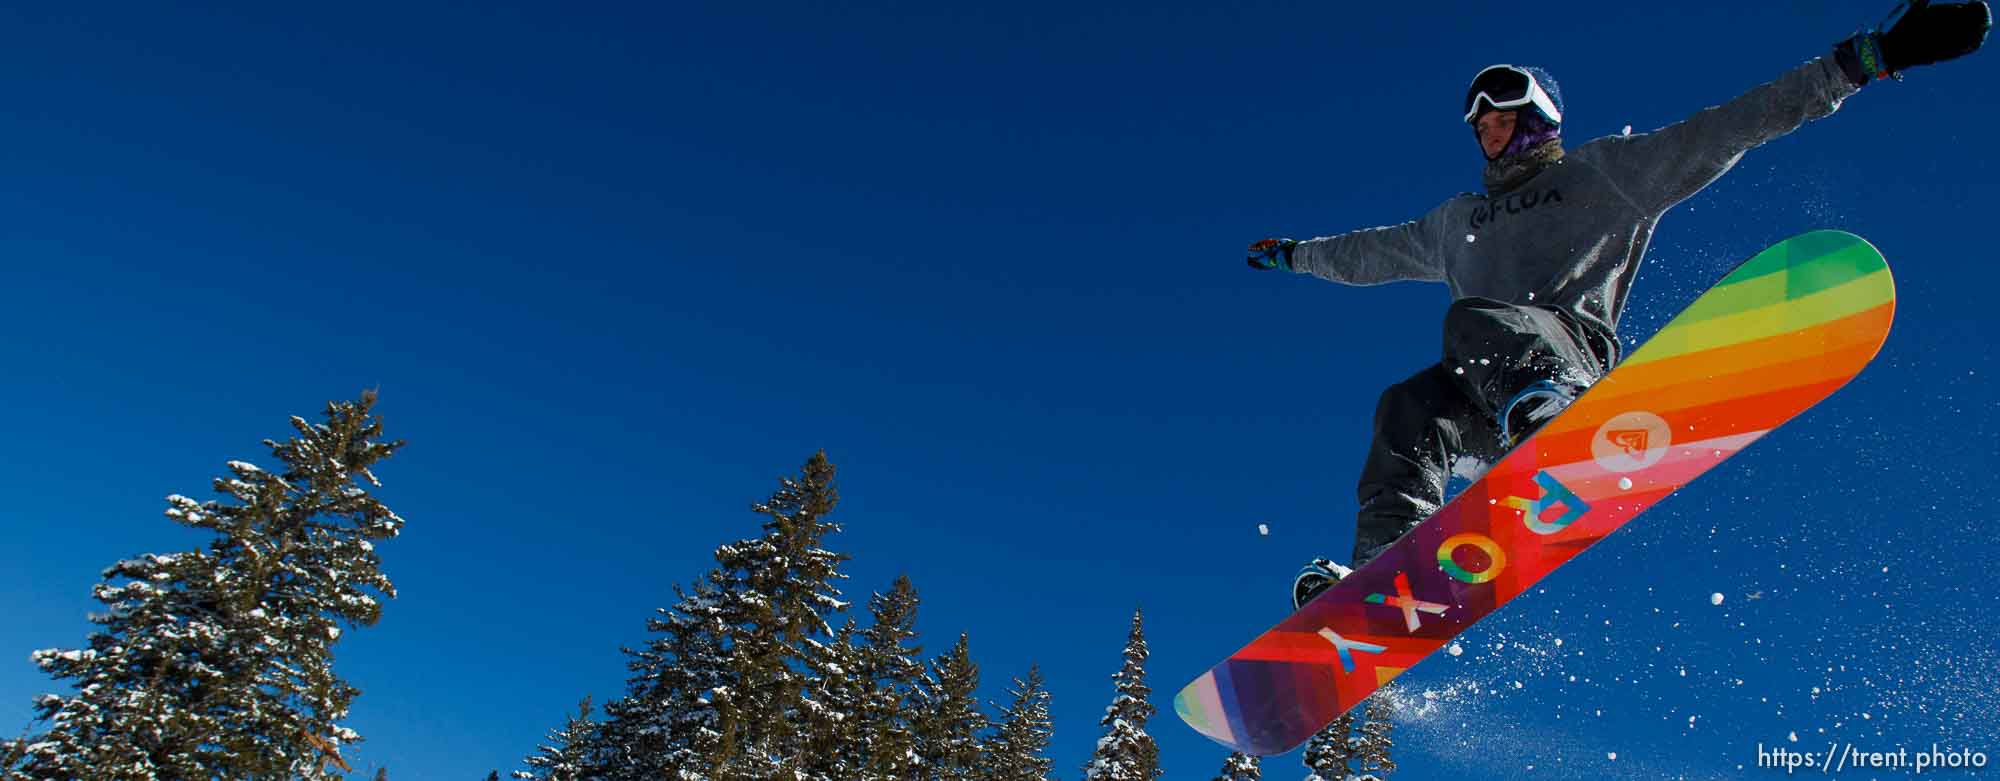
(1624, 484)
(1793, 737)
(1715, 598)
(1264, 529)
(1626, 132)
(1455, 649)
(1611, 755)
(1469, 238)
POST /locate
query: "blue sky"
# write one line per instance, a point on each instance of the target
(616, 270)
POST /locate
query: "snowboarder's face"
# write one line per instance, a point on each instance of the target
(1495, 129)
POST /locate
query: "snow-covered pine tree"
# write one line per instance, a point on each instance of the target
(1016, 750)
(946, 719)
(667, 715)
(1240, 767)
(888, 663)
(218, 663)
(1330, 753)
(719, 692)
(791, 593)
(1126, 752)
(1373, 744)
(831, 746)
(570, 753)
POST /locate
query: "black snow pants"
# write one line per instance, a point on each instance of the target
(1427, 423)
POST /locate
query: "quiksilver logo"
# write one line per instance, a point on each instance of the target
(1513, 204)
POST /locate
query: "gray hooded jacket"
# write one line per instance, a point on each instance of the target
(1572, 236)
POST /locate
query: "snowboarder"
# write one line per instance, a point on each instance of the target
(1539, 266)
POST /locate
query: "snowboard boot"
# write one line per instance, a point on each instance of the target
(1531, 408)
(1316, 577)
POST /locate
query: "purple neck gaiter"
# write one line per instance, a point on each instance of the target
(1536, 144)
(1530, 130)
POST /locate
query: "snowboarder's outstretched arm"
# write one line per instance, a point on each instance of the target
(1659, 169)
(1370, 256)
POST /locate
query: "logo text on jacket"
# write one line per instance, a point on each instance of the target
(1512, 204)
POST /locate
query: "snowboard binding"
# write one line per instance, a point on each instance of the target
(1543, 401)
(1317, 576)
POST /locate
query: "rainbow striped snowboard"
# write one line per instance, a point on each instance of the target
(1781, 332)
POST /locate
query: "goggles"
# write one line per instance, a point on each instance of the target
(1508, 87)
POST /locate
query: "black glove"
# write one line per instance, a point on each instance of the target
(1935, 33)
(1924, 34)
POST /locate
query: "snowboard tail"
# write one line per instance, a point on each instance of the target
(1782, 331)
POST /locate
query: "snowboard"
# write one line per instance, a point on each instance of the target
(1782, 331)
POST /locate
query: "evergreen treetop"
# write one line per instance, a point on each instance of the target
(218, 663)
(1126, 752)
(1016, 752)
(1240, 767)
